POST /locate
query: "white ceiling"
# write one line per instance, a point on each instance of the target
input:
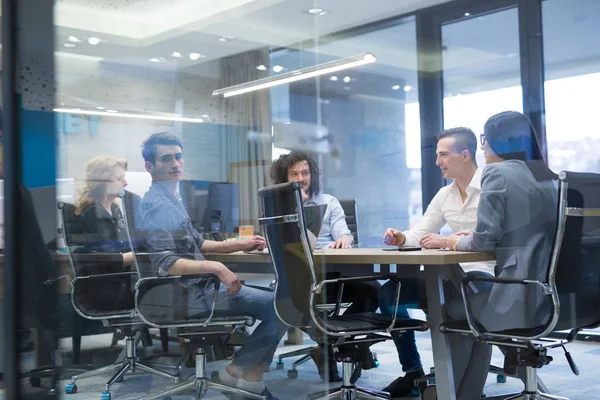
(481, 51)
(134, 31)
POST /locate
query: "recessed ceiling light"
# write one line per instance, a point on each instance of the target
(154, 60)
(347, 79)
(261, 68)
(112, 111)
(407, 88)
(176, 54)
(225, 38)
(205, 116)
(70, 45)
(93, 41)
(333, 78)
(195, 56)
(100, 108)
(317, 11)
(277, 68)
(467, 14)
(74, 39)
(396, 87)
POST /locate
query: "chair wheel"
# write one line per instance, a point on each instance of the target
(105, 396)
(279, 364)
(71, 388)
(35, 381)
(292, 373)
(500, 378)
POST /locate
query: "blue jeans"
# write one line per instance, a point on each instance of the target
(258, 303)
(411, 295)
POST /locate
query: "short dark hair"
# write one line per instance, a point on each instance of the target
(279, 169)
(464, 139)
(160, 138)
(511, 135)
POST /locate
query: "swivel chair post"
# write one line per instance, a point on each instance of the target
(200, 384)
(349, 391)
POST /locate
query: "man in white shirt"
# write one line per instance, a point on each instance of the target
(455, 205)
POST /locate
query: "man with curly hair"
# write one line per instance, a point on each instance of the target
(297, 166)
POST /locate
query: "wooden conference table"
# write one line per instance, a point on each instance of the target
(437, 266)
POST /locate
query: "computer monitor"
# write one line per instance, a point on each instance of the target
(222, 206)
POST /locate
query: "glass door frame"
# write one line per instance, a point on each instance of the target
(431, 83)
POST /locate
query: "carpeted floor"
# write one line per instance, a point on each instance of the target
(557, 375)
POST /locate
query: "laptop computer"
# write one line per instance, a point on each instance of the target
(313, 218)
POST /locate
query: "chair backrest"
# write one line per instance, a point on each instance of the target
(349, 207)
(101, 284)
(577, 272)
(282, 220)
(38, 276)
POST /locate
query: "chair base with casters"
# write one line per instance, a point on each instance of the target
(200, 384)
(130, 363)
(348, 390)
(531, 360)
(528, 354)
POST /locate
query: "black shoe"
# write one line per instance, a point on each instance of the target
(403, 386)
(331, 373)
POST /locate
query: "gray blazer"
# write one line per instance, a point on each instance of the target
(516, 219)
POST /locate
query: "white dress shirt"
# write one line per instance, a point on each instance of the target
(447, 207)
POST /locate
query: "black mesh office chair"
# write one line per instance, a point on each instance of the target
(349, 206)
(299, 286)
(38, 295)
(572, 286)
(102, 290)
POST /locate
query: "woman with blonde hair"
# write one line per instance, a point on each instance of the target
(99, 217)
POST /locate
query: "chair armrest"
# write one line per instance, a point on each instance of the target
(171, 280)
(472, 321)
(318, 288)
(508, 281)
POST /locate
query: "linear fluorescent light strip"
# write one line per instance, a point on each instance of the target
(126, 115)
(294, 76)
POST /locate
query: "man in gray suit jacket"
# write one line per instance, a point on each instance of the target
(516, 219)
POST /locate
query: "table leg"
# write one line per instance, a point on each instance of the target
(442, 358)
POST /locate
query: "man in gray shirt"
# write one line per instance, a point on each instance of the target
(177, 250)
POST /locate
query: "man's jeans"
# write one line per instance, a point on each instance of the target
(262, 343)
(412, 292)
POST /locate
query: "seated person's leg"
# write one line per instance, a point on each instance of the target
(247, 369)
(411, 295)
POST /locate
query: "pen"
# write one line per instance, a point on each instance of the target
(387, 239)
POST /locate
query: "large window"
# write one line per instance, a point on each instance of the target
(482, 71)
(572, 72)
(368, 114)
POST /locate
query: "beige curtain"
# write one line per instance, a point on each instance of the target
(247, 128)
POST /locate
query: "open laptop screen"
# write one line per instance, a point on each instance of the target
(313, 218)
